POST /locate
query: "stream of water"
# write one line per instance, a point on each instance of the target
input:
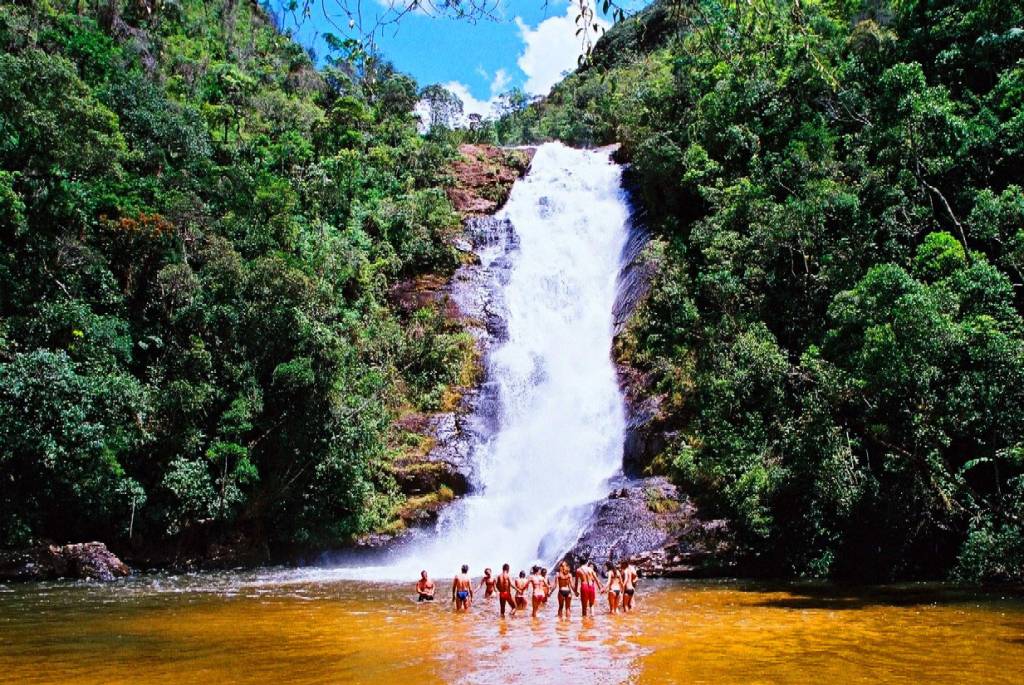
(560, 410)
(263, 627)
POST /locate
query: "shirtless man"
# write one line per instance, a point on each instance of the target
(520, 584)
(462, 590)
(487, 583)
(629, 578)
(586, 587)
(539, 584)
(504, 586)
(563, 585)
(425, 588)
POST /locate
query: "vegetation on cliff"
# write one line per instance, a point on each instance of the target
(835, 320)
(198, 234)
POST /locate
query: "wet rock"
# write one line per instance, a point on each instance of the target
(87, 560)
(648, 523)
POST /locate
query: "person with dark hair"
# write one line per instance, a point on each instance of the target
(425, 588)
(540, 588)
(487, 583)
(613, 588)
(586, 587)
(462, 589)
(629, 578)
(504, 586)
(521, 583)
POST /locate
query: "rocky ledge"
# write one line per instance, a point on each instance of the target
(86, 561)
(484, 175)
(648, 523)
(434, 463)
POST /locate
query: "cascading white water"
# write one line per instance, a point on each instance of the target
(561, 419)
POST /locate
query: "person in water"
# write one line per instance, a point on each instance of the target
(563, 585)
(504, 586)
(586, 587)
(462, 590)
(520, 584)
(547, 585)
(487, 583)
(539, 584)
(629, 579)
(613, 588)
(425, 588)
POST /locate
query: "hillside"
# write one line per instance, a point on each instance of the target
(199, 236)
(833, 332)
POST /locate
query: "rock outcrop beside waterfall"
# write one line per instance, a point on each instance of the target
(439, 466)
(645, 519)
(649, 523)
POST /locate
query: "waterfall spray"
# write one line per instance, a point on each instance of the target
(561, 417)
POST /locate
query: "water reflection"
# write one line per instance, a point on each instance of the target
(240, 627)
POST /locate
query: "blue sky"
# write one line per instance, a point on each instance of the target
(529, 44)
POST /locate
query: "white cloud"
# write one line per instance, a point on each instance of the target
(500, 83)
(552, 49)
(470, 105)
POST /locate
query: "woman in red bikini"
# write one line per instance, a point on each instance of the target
(540, 589)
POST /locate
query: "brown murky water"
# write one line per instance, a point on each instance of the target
(263, 628)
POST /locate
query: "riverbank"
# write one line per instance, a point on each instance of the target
(301, 627)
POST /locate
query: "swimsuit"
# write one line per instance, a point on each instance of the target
(588, 592)
(630, 591)
(565, 592)
(462, 594)
(506, 596)
(424, 597)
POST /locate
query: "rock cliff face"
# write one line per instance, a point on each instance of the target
(645, 519)
(85, 561)
(441, 466)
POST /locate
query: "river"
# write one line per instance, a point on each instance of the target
(264, 627)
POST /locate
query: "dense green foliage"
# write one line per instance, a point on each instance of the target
(198, 231)
(835, 320)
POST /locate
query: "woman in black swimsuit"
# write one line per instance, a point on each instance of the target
(563, 582)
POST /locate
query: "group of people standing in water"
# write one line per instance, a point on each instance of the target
(512, 592)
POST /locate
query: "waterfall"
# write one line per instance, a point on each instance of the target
(560, 416)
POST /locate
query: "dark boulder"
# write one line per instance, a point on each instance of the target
(647, 523)
(86, 561)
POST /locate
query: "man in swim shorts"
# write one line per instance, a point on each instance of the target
(629, 578)
(504, 586)
(462, 589)
(586, 587)
(425, 588)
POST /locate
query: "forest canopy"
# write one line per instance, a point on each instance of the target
(199, 228)
(835, 189)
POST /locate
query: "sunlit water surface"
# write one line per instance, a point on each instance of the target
(264, 627)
